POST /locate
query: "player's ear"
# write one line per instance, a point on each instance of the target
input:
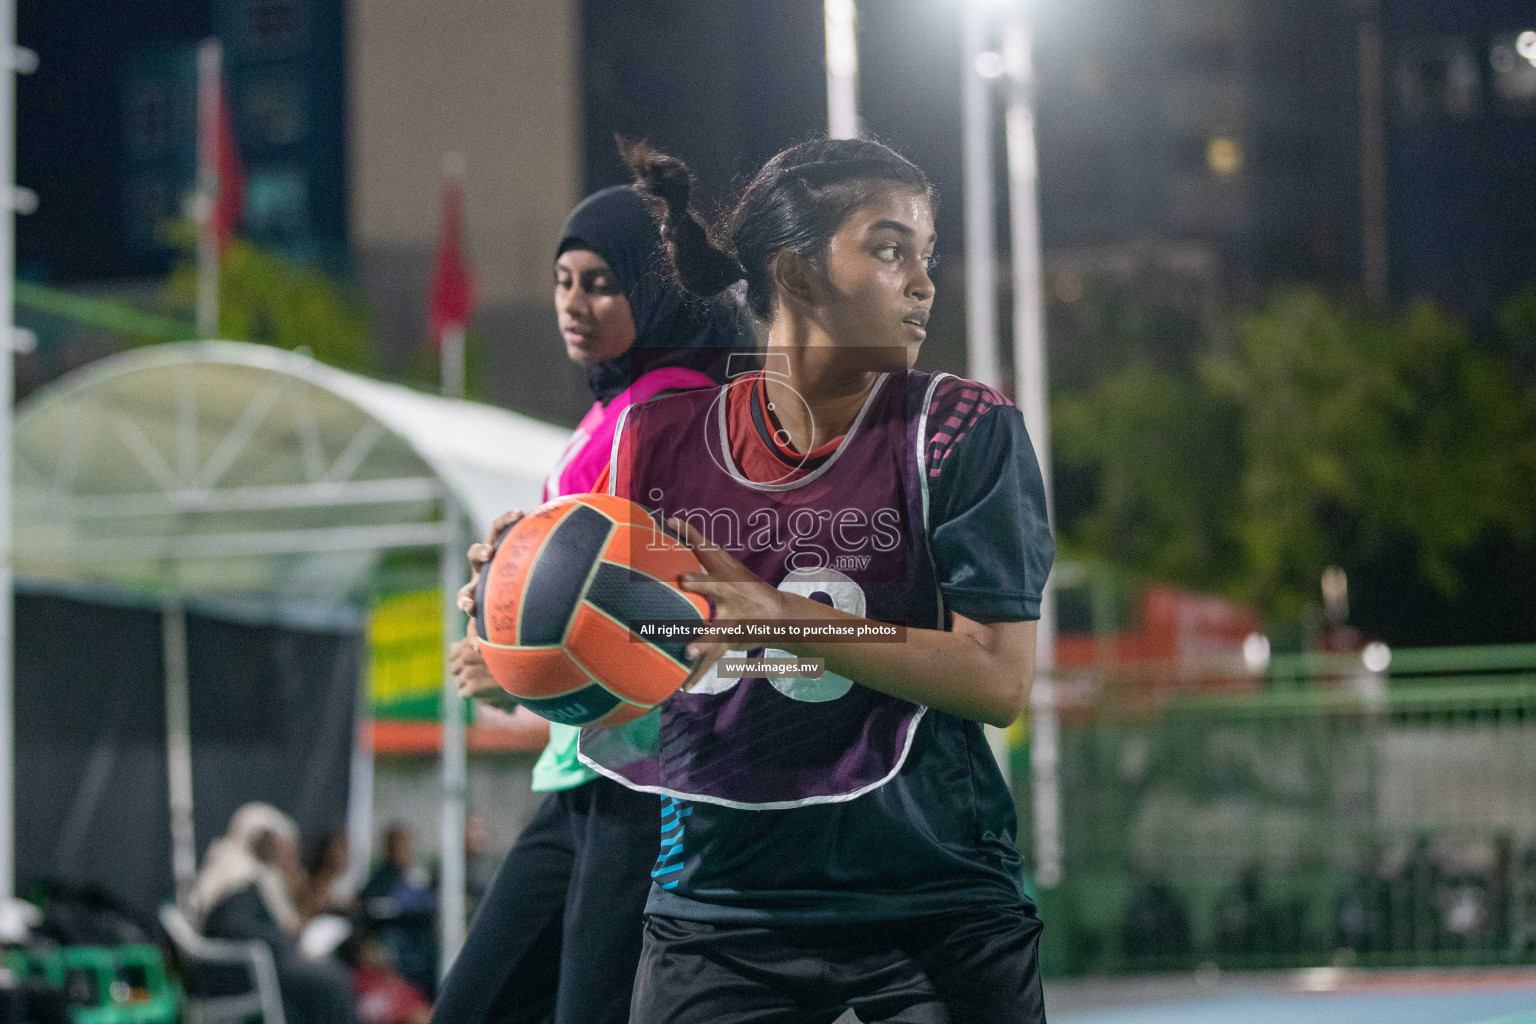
(794, 279)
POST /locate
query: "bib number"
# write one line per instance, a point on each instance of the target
(830, 585)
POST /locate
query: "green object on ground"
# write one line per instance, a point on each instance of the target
(89, 972)
(141, 980)
(105, 985)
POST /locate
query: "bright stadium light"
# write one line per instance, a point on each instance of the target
(1525, 45)
(1377, 656)
(1256, 652)
(1223, 155)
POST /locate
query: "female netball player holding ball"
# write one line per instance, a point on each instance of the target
(846, 841)
(558, 932)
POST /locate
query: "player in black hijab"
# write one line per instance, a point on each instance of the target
(558, 933)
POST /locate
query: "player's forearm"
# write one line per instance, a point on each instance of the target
(952, 672)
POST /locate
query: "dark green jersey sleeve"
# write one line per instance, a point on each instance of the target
(987, 524)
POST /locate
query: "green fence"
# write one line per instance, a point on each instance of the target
(1332, 816)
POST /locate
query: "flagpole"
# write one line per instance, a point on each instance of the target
(452, 362)
(451, 344)
(452, 566)
(210, 70)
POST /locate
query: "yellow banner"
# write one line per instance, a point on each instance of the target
(405, 655)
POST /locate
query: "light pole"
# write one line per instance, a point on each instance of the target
(842, 69)
(1032, 394)
(979, 66)
(1016, 63)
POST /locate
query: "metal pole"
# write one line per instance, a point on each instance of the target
(178, 747)
(1030, 388)
(1045, 784)
(842, 69)
(980, 244)
(7, 387)
(980, 207)
(453, 570)
(210, 70)
(360, 792)
(452, 362)
(450, 351)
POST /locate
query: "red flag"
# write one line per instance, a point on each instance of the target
(453, 286)
(229, 201)
(218, 160)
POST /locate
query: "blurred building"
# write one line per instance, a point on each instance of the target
(1196, 151)
(1379, 144)
(107, 129)
(724, 85)
(341, 114)
(1459, 155)
(1197, 141)
(498, 81)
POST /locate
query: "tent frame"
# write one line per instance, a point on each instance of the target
(186, 482)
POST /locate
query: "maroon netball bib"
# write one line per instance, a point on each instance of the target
(850, 533)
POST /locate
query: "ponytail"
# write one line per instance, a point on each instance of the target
(700, 266)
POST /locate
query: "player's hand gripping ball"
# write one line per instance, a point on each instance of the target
(554, 605)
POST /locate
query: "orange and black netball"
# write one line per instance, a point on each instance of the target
(556, 603)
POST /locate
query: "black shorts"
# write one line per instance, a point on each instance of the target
(978, 967)
(557, 935)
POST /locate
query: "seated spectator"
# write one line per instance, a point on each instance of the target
(400, 907)
(327, 889)
(479, 862)
(246, 891)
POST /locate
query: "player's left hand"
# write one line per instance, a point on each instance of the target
(737, 593)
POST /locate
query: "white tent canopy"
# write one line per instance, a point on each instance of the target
(233, 472)
(228, 469)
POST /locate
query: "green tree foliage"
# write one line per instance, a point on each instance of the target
(268, 298)
(1517, 329)
(1330, 434)
(1158, 448)
(1359, 431)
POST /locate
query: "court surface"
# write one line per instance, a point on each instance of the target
(1323, 996)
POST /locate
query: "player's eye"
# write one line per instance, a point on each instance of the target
(931, 262)
(889, 253)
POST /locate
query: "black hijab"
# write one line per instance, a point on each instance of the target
(671, 328)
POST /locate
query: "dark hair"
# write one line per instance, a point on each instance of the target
(320, 850)
(797, 202)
